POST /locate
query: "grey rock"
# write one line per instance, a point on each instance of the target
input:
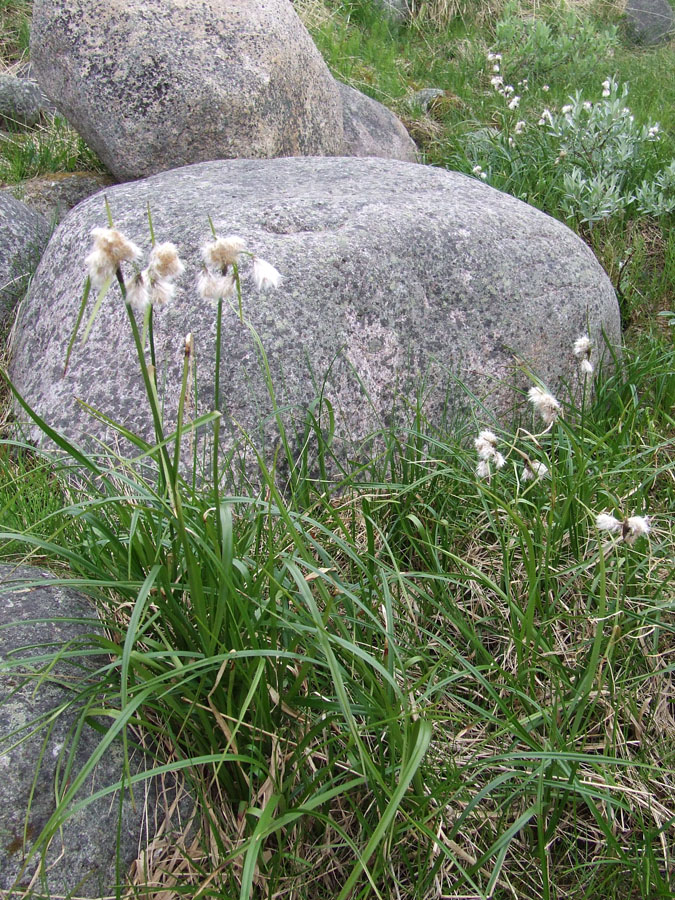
(650, 21)
(423, 99)
(370, 129)
(30, 610)
(397, 273)
(152, 85)
(396, 10)
(22, 101)
(54, 195)
(23, 236)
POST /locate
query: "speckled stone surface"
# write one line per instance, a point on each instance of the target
(650, 21)
(370, 129)
(22, 101)
(54, 195)
(88, 839)
(155, 84)
(404, 274)
(23, 237)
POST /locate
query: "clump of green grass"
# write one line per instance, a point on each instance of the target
(53, 147)
(15, 18)
(441, 679)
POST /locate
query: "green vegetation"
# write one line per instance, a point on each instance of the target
(435, 676)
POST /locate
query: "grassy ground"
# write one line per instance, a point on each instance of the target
(416, 683)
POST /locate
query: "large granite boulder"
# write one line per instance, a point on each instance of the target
(152, 85)
(395, 277)
(23, 236)
(370, 129)
(81, 859)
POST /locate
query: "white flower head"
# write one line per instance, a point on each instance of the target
(586, 367)
(582, 346)
(110, 249)
(265, 275)
(215, 287)
(514, 103)
(520, 127)
(495, 68)
(477, 170)
(588, 106)
(545, 404)
(138, 295)
(223, 252)
(605, 522)
(546, 117)
(534, 470)
(567, 109)
(507, 90)
(161, 291)
(545, 88)
(483, 469)
(164, 261)
(189, 344)
(496, 81)
(635, 527)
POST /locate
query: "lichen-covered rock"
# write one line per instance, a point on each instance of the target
(22, 101)
(81, 858)
(396, 276)
(23, 236)
(370, 129)
(152, 85)
(650, 21)
(54, 195)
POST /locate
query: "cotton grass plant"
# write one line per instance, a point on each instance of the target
(433, 682)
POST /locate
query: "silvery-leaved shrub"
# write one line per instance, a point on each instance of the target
(590, 161)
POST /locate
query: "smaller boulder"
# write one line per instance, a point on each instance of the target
(650, 21)
(23, 236)
(370, 129)
(22, 101)
(54, 195)
(82, 858)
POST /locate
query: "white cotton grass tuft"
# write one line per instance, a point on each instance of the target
(635, 527)
(545, 404)
(582, 346)
(488, 455)
(164, 261)
(215, 287)
(534, 470)
(161, 291)
(138, 295)
(110, 249)
(631, 529)
(223, 252)
(582, 350)
(265, 275)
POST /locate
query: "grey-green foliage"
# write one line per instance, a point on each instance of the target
(537, 47)
(592, 159)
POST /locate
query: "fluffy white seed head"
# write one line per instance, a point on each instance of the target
(110, 249)
(586, 367)
(138, 295)
(545, 404)
(215, 287)
(223, 252)
(582, 346)
(483, 469)
(265, 275)
(635, 527)
(161, 291)
(605, 522)
(164, 261)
